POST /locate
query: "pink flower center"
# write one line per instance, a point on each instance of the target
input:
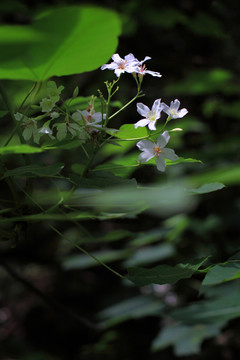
(157, 150)
(122, 65)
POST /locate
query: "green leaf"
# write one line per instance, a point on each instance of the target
(185, 339)
(150, 254)
(133, 308)
(128, 131)
(210, 311)
(221, 273)
(180, 160)
(228, 174)
(206, 188)
(160, 200)
(83, 261)
(61, 41)
(20, 149)
(101, 179)
(164, 274)
(35, 170)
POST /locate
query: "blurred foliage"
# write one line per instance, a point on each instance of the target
(86, 311)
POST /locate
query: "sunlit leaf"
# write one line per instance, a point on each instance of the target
(20, 149)
(61, 41)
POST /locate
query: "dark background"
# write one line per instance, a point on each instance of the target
(195, 46)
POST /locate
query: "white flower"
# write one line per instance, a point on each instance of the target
(150, 116)
(150, 149)
(129, 64)
(142, 70)
(89, 118)
(173, 111)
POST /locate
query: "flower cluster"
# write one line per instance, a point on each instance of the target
(158, 150)
(60, 122)
(129, 64)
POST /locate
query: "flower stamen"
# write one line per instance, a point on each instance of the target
(157, 150)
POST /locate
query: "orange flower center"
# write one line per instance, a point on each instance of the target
(157, 150)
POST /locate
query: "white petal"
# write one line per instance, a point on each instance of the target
(153, 73)
(142, 109)
(130, 57)
(181, 113)
(163, 139)
(169, 154)
(118, 72)
(111, 66)
(165, 108)
(97, 117)
(156, 106)
(146, 145)
(160, 162)
(175, 105)
(151, 125)
(130, 68)
(145, 59)
(116, 58)
(145, 156)
(141, 123)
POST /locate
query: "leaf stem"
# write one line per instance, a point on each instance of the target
(86, 252)
(139, 94)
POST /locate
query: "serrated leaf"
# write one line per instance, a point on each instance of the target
(164, 274)
(185, 339)
(222, 272)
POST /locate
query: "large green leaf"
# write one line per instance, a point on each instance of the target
(61, 41)
(164, 274)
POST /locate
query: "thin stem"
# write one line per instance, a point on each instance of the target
(8, 104)
(72, 242)
(124, 107)
(86, 252)
(26, 97)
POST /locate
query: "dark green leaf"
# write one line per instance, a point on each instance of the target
(101, 179)
(222, 272)
(35, 170)
(185, 339)
(164, 274)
